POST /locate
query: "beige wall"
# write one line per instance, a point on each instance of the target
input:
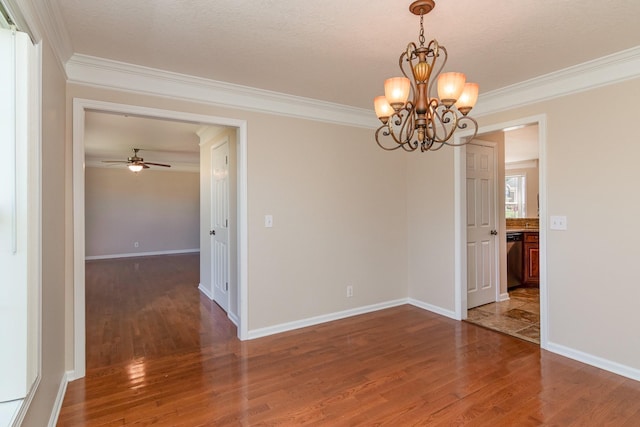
(430, 207)
(339, 209)
(157, 209)
(592, 291)
(591, 179)
(53, 241)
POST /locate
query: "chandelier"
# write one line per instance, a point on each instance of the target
(411, 116)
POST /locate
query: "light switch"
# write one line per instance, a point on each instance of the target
(558, 222)
(268, 221)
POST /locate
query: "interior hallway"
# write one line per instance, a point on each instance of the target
(160, 353)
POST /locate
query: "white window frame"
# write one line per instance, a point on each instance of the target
(24, 306)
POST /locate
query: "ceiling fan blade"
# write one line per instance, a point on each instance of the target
(157, 164)
(144, 166)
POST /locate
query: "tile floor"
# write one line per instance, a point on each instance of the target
(519, 316)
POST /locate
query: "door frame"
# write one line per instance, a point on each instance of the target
(460, 208)
(496, 248)
(80, 106)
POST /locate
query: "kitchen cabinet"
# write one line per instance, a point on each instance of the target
(531, 259)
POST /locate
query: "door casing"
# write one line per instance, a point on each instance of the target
(80, 106)
(460, 233)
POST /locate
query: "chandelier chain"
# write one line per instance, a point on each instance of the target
(421, 38)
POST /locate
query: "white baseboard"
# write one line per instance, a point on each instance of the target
(310, 321)
(234, 319)
(433, 308)
(205, 291)
(504, 297)
(138, 254)
(598, 362)
(57, 404)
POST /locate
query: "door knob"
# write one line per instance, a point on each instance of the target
(494, 232)
(212, 233)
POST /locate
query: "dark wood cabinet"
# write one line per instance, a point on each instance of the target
(531, 259)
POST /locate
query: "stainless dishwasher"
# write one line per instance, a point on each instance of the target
(515, 259)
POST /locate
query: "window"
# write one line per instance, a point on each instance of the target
(19, 216)
(515, 197)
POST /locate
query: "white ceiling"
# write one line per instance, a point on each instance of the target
(113, 137)
(521, 144)
(341, 51)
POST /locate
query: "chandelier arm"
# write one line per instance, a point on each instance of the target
(437, 123)
(462, 125)
(385, 134)
(408, 127)
(437, 49)
(449, 124)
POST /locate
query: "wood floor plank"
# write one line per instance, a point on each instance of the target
(159, 353)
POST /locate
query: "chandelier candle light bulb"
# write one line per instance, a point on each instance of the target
(412, 115)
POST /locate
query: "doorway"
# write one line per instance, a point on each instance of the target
(461, 210)
(80, 107)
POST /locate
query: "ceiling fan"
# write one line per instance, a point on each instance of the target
(136, 163)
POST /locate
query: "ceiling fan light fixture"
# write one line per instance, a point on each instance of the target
(412, 113)
(135, 168)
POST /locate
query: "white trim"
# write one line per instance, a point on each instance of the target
(9, 412)
(598, 362)
(610, 69)
(57, 403)
(141, 254)
(504, 297)
(79, 355)
(542, 240)
(433, 308)
(99, 72)
(460, 256)
(316, 320)
(524, 164)
(104, 73)
(205, 291)
(233, 317)
(459, 237)
(79, 108)
(26, 402)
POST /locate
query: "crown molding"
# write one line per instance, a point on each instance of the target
(618, 67)
(44, 21)
(103, 73)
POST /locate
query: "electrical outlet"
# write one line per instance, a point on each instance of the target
(349, 291)
(136, 244)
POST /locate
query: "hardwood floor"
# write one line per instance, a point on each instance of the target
(161, 354)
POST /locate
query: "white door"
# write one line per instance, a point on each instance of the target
(219, 229)
(481, 225)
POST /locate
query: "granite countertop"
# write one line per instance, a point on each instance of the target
(522, 230)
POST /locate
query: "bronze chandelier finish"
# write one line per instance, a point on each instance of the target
(424, 120)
